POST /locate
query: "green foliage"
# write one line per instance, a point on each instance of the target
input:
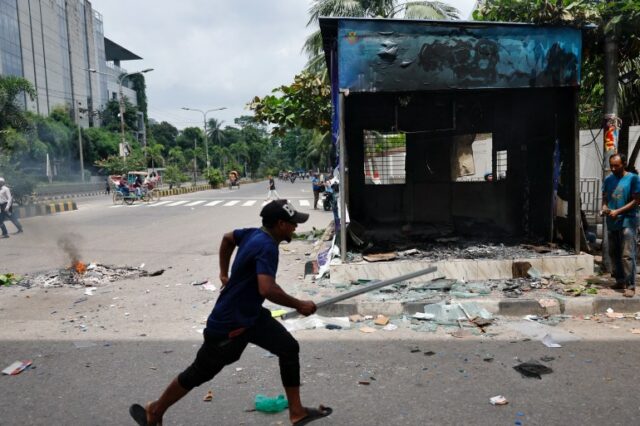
(621, 18)
(173, 176)
(306, 103)
(12, 115)
(9, 279)
(214, 176)
(140, 88)
(116, 165)
(111, 120)
(99, 144)
(163, 133)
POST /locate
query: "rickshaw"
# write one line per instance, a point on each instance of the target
(234, 180)
(129, 193)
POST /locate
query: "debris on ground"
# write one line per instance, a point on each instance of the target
(532, 369)
(96, 276)
(367, 329)
(381, 320)
(498, 400)
(548, 341)
(379, 257)
(314, 321)
(208, 397)
(612, 314)
(17, 367)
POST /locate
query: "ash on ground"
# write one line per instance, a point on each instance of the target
(96, 275)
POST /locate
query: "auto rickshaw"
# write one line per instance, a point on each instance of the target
(234, 180)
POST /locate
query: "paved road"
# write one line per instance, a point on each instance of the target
(172, 232)
(141, 332)
(593, 382)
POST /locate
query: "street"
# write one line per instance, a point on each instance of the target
(94, 355)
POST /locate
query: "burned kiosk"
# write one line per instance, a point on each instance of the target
(465, 126)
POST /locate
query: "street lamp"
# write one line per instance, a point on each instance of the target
(120, 80)
(204, 116)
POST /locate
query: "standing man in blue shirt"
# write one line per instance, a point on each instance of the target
(238, 317)
(316, 186)
(620, 196)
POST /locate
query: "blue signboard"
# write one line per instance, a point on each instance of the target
(394, 56)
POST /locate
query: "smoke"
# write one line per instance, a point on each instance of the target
(67, 243)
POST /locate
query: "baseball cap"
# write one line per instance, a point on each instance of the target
(283, 210)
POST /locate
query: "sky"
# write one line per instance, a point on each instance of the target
(210, 54)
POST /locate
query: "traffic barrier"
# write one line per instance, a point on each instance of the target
(43, 209)
(178, 191)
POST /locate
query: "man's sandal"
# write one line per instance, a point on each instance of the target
(314, 414)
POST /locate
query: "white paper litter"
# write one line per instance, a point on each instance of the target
(423, 316)
(314, 321)
(89, 291)
(548, 341)
(498, 400)
(390, 327)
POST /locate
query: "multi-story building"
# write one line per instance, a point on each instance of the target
(60, 47)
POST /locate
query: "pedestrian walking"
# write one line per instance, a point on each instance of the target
(620, 197)
(6, 210)
(316, 186)
(107, 186)
(272, 194)
(238, 317)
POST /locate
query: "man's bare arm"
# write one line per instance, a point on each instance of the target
(227, 246)
(274, 293)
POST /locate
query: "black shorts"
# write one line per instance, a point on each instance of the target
(218, 351)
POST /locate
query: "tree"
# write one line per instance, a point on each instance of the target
(155, 153)
(163, 133)
(620, 18)
(306, 103)
(116, 164)
(367, 9)
(110, 116)
(215, 134)
(12, 114)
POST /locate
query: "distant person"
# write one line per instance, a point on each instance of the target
(6, 210)
(620, 196)
(239, 319)
(272, 194)
(107, 186)
(316, 186)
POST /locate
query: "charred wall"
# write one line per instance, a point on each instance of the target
(523, 122)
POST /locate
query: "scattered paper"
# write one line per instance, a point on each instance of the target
(381, 320)
(208, 286)
(498, 400)
(423, 316)
(635, 331)
(548, 341)
(16, 368)
(278, 313)
(390, 327)
(89, 291)
(616, 315)
(356, 318)
(366, 329)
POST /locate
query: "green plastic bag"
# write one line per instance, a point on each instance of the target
(271, 405)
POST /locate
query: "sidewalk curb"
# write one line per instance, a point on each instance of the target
(501, 307)
(177, 191)
(43, 209)
(46, 198)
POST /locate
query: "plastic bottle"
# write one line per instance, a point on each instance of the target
(271, 405)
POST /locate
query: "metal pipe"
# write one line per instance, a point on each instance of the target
(376, 285)
(343, 183)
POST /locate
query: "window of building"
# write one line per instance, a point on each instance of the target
(501, 165)
(472, 158)
(384, 158)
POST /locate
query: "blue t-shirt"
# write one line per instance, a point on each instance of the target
(239, 303)
(619, 192)
(315, 183)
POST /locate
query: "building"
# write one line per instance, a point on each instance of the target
(60, 47)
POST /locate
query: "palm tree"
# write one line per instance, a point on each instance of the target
(367, 9)
(214, 131)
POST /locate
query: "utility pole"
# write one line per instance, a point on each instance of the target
(80, 151)
(611, 122)
(204, 117)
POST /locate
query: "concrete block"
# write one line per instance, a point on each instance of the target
(520, 307)
(578, 306)
(459, 269)
(618, 304)
(584, 265)
(339, 310)
(494, 269)
(384, 308)
(559, 265)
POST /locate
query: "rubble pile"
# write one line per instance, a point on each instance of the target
(95, 275)
(475, 250)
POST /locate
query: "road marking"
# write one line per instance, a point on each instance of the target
(117, 206)
(231, 203)
(177, 203)
(304, 203)
(134, 205)
(213, 203)
(249, 203)
(265, 203)
(195, 203)
(159, 203)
